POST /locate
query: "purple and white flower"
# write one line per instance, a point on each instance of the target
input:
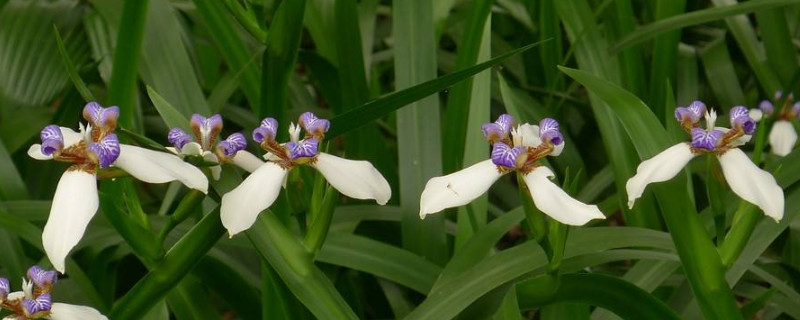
(783, 136)
(745, 178)
(34, 301)
(355, 179)
(96, 146)
(205, 145)
(520, 152)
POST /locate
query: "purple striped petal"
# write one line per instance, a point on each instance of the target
(313, 125)
(178, 138)
(740, 118)
(52, 139)
(303, 149)
(267, 130)
(505, 156)
(37, 306)
(206, 129)
(99, 116)
(232, 144)
(777, 96)
(692, 113)
(766, 107)
(702, 139)
(549, 131)
(105, 151)
(796, 109)
(498, 130)
(5, 288)
(41, 277)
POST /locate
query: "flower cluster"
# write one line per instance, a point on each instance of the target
(513, 149)
(34, 301)
(355, 179)
(94, 147)
(783, 136)
(204, 144)
(743, 176)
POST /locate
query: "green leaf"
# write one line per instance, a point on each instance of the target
(376, 109)
(171, 116)
(13, 187)
(122, 89)
(720, 70)
(72, 71)
(278, 59)
(775, 34)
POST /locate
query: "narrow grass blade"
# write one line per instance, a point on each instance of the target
(278, 59)
(171, 116)
(775, 34)
(665, 51)
(720, 71)
(72, 71)
(122, 90)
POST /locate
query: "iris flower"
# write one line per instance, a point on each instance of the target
(355, 179)
(205, 144)
(94, 147)
(527, 145)
(745, 178)
(34, 301)
(782, 137)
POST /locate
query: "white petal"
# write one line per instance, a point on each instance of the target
(159, 167)
(175, 151)
(751, 183)
(458, 188)
(740, 141)
(756, 114)
(782, 137)
(661, 167)
(558, 149)
(526, 135)
(192, 149)
(70, 137)
(74, 204)
(355, 179)
(63, 311)
(35, 151)
(555, 202)
(241, 206)
(246, 161)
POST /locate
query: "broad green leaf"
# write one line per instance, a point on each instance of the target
(187, 301)
(70, 68)
(123, 85)
(13, 186)
(720, 69)
(278, 59)
(775, 34)
(665, 51)
(171, 116)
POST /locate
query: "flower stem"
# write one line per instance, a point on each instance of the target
(184, 210)
(744, 222)
(715, 195)
(534, 217)
(321, 221)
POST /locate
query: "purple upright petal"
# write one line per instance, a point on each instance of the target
(766, 107)
(206, 129)
(777, 96)
(549, 131)
(178, 138)
(796, 109)
(5, 288)
(498, 130)
(702, 139)
(232, 144)
(267, 130)
(105, 151)
(305, 148)
(42, 278)
(37, 306)
(740, 119)
(691, 113)
(313, 125)
(99, 116)
(52, 139)
(505, 156)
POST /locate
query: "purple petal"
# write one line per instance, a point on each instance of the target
(796, 109)
(549, 131)
(178, 138)
(498, 130)
(42, 277)
(38, 305)
(267, 130)
(206, 129)
(692, 113)
(99, 116)
(766, 107)
(303, 149)
(740, 118)
(702, 139)
(313, 125)
(5, 288)
(777, 96)
(52, 139)
(232, 144)
(105, 151)
(503, 155)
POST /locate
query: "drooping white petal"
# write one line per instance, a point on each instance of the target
(74, 204)
(458, 188)
(241, 206)
(192, 149)
(355, 179)
(159, 167)
(555, 202)
(174, 151)
(751, 183)
(63, 311)
(782, 137)
(35, 151)
(246, 160)
(661, 167)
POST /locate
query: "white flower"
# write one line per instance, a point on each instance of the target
(355, 179)
(783, 136)
(529, 143)
(34, 301)
(745, 179)
(75, 201)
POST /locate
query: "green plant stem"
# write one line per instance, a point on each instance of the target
(321, 222)
(185, 208)
(176, 264)
(621, 297)
(125, 71)
(534, 217)
(744, 222)
(715, 193)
